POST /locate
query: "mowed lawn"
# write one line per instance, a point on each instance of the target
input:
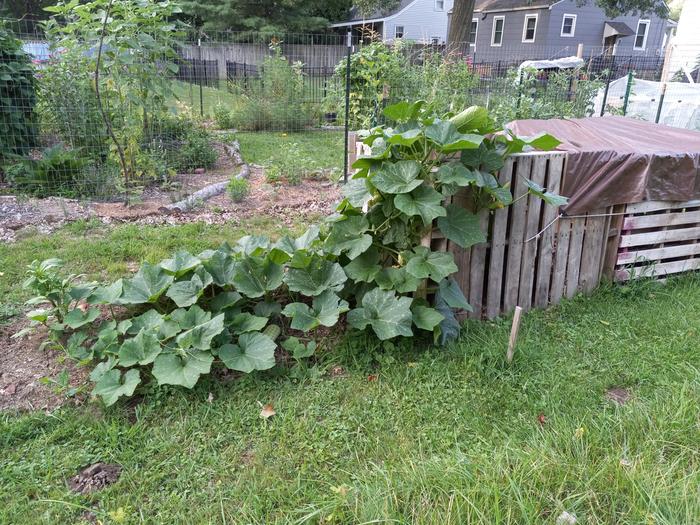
(384, 433)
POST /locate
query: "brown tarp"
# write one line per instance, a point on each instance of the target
(618, 160)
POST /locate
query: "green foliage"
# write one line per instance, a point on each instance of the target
(18, 127)
(224, 117)
(278, 102)
(525, 95)
(226, 307)
(291, 164)
(238, 189)
(59, 171)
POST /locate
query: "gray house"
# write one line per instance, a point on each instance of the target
(540, 27)
(418, 20)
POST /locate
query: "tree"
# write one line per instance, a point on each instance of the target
(463, 12)
(264, 16)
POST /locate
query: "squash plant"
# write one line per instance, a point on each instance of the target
(233, 305)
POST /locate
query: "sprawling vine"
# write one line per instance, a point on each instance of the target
(368, 261)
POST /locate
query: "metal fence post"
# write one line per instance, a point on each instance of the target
(347, 109)
(661, 103)
(199, 77)
(628, 91)
(607, 86)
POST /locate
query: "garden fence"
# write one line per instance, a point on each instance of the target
(291, 83)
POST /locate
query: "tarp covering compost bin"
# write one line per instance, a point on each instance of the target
(618, 160)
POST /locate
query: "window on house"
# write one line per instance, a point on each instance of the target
(439, 5)
(497, 34)
(472, 31)
(529, 28)
(398, 31)
(640, 39)
(568, 25)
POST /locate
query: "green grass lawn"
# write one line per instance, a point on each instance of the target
(188, 94)
(322, 148)
(406, 434)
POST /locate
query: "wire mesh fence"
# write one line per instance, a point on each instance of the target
(165, 106)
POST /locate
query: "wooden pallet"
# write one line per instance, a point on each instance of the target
(658, 238)
(517, 268)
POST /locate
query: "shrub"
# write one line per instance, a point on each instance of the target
(277, 103)
(59, 171)
(18, 129)
(224, 117)
(179, 142)
(238, 189)
(291, 165)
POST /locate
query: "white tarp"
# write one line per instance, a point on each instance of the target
(680, 109)
(558, 63)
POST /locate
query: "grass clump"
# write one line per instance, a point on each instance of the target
(238, 189)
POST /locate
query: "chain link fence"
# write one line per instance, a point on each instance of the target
(168, 110)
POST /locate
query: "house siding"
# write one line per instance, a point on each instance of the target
(590, 24)
(549, 43)
(420, 20)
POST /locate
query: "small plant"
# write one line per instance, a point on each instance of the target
(59, 293)
(224, 117)
(292, 165)
(238, 189)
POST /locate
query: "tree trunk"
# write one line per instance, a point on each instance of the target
(460, 25)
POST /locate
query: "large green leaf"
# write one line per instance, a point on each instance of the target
(388, 315)
(455, 173)
(398, 177)
(436, 265)
(423, 201)
(106, 294)
(450, 293)
(201, 335)
(182, 370)
(187, 319)
(221, 267)
(318, 276)
(461, 227)
(397, 279)
(404, 110)
(245, 322)
(449, 326)
(445, 135)
(356, 192)
(254, 276)
(426, 318)
(547, 196)
(483, 158)
(365, 267)
(349, 236)
(180, 264)
(224, 300)
(186, 293)
(149, 283)
(112, 385)
(326, 309)
(154, 322)
(253, 245)
(142, 349)
(254, 351)
(76, 318)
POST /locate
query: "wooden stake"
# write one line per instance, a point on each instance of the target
(514, 329)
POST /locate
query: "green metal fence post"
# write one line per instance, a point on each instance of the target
(628, 91)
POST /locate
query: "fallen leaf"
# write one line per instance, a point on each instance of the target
(267, 411)
(604, 322)
(624, 462)
(541, 419)
(210, 398)
(372, 377)
(10, 389)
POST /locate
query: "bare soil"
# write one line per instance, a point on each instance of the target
(23, 365)
(95, 477)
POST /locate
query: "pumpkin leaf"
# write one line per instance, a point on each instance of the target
(349, 236)
(149, 283)
(388, 315)
(318, 276)
(426, 318)
(221, 267)
(461, 227)
(112, 385)
(182, 370)
(254, 351)
(434, 265)
(254, 276)
(423, 201)
(142, 349)
(326, 309)
(398, 177)
(180, 264)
